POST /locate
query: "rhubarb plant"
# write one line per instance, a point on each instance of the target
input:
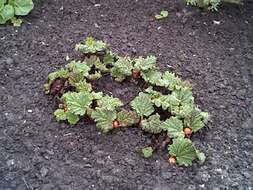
(165, 109)
(9, 9)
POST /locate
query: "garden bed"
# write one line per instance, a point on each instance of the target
(37, 152)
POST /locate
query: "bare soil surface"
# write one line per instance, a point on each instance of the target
(36, 152)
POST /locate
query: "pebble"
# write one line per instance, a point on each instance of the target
(44, 171)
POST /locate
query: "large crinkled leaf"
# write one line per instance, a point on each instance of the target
(21, 7)
(152, 124)
(184, 96)
(165, 101)
(171, 81)
(122, 68)
(61, 115)
(196, 120)
(109, 103)
(182, 111)
(77, 103)
(79, 67)
(126, 118)
(75, 78)
(83, 86)
(184, 151)
(89, 45)
(104, 119)
(174, 127)
(145, 64)
(6, 13)
(143, 105)
(153, 77)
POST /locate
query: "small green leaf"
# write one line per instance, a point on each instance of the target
(77, 103)
(6, 13)
(174, 127)
(109, 103)
(72, 118)
(183, 150)
(163, 14)
(104, 119)
(143, 105)
(152, 124)
(201, 156)
(147, 152)
(91, 46)
(60, 115)
(21, 7)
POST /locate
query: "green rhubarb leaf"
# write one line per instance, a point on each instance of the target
(153, 77)
(77, 103)
(163, 14)
(72, 118)
(143, 105)
(60, 115)
(89, 45)
(147, 152)
(122, 68)
(109, 58)
(171, 81)
(126, 118)
(145, 64)
(153, 94)
(201, 156)
(174, 127)
(83, 86)
(61, 73)
(104, 119)
(97, 95)
(165, 101)
(21, 7)
(152, 124)
(79, 67)
(109, 103)
(75, 78)
(184, 151)
(6, 13)
(184, 96)
(196, 120)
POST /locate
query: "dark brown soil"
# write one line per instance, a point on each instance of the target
(37, 152)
